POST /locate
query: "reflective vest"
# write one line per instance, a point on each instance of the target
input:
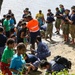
(33, 25)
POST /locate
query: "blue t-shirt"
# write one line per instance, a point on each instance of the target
(55, 67)
(58, 14)
(50, 19)
(64, 18)
(17, 63)
(11, 23)
(31, 58)
(43, 51)
(73, 18)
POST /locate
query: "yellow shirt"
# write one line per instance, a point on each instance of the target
(39, 15)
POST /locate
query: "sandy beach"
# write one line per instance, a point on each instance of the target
(62, 49)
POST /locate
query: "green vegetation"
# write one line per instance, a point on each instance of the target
(63, 72)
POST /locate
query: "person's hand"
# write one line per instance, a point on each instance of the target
(26, 36)
(67, 18)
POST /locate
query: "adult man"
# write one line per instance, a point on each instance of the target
(57, 64)
(49, 29)
(33, 27)
(72, 22)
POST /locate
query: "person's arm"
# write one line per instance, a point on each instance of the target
(29, 68)
(70, 21)
(22, 35)
(36, 16)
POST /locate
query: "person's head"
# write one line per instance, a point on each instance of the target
(40, 11)
(67, 11)
(49, 10)
(27, 9)
(4, 16)
(44, 64)
(38, 39)
(13, 36)
(8, 16)
(73, 11)
(1, 29)
(73, 8)
(12, 15)
(21, 48)
(28, 17)
(57, 9)
(61, 6)
(9, 11)
(10, 43)
(23, 24)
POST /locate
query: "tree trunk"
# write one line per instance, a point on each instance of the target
(1, 4)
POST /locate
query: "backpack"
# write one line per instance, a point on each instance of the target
(64, 61)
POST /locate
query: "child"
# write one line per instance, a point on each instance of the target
(6, 57)
(32, 62)
(17, 62)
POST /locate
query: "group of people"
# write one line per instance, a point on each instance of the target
(28, 31)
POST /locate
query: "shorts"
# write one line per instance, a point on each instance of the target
(49, 29)
(65, 29)
(33, 36)
(72, 31)
(57, 23)
(5, 69)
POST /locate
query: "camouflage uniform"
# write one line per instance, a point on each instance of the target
(49, 30)
(57, 23)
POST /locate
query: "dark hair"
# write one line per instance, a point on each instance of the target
(12, 14)
(49, 9)
(10, 41)
(67, 10)
(44, 63)
(8, 16)
(21, 46)
(38, 38)
(57, 8)
(1, 29)
(4, 15)
(40, 10)
(73, 7)
(23, 23)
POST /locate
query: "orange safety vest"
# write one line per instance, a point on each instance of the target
(33, 25)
